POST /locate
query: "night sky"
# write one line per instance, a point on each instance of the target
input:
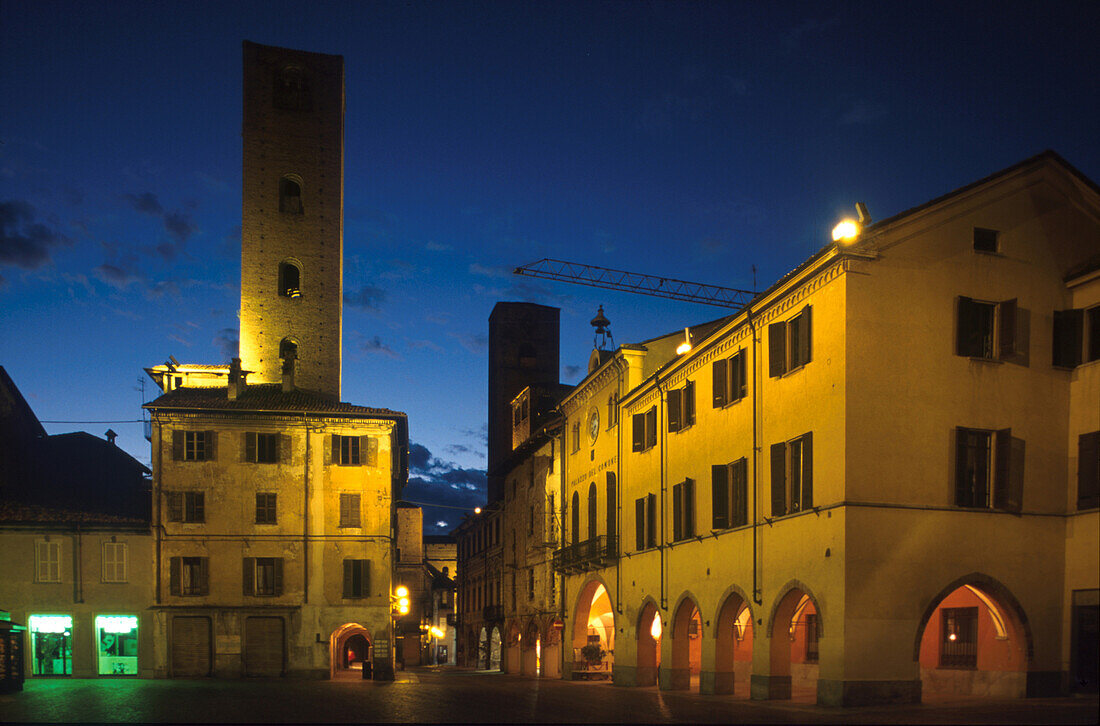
(687, 140)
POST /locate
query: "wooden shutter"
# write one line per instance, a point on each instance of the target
(190, 654)
(370, 451)
(739, 492)
(285, 450)
(737, 376)
(651, 427)
(779, 480)
(364, 571)
(651, 519)
(962, 483)
(332, 451)
(689, 508)
(804, 347)
(278, 575)
(211, 445)
(199, 506)
(677, 512)
(718, 370)
(177, 446)
(248, 567)
(1006, 333)
(808, 470)
(777, 349)
(688, 404)
(175, 506)
(1068, 328)
(1088, 470)
(639, 524)
(204, 575)
(967, 335)
(175, 565)
(674, 409)
(1008, 488)
(719, 496)
(638, 421)
(249, 449)
(348, 578)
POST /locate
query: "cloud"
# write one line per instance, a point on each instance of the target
(79, 279)
(436, 481)
(117, 277)
(489, 270)
(571, 371)
(146, 203)
(375, 345)
(180, 340)
(476, 344)
(24, 242)
(164, 287)
(227, 342)
(437, 247)
(178, 224)
(424, 344)
(863, 112)
(367, 297)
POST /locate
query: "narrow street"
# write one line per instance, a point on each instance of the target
(429, 695)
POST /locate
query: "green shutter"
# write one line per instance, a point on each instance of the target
(1068, 329)
(739, 492)
(175, 564)
(651, 519)
(638, 423)
(688, 403)
(718, 382)
(689, 508)
(968, 335)
(639, 524)
(779, 480)
(677, 512)
(177, 446)
(719, 495)
(1088, 470)
(651, 427)
(1006, 334)
(808, 470)
(348, 565)
(963, 485)
(248, 579)
(804, 347)
(674, 401)
(777, 349)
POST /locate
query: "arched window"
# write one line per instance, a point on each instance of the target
(592, 511)
(576, 521)
(291, 92)
(290, 279)
(290, 195)
(527, 356)
(611, 529)
(612, 410)
(288, 349)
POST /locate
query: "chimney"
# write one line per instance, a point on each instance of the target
(236, 379)
(111, 435)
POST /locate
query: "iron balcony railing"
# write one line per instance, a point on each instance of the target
(591, 554)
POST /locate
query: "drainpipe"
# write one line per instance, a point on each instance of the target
(78, 570)
(619, 365)
(756, 594)
(664, 486)
(155, 514)
(305, 523)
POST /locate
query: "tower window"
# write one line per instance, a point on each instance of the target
(290, 195)
(290, 280)
(292, 91)
(288, 349)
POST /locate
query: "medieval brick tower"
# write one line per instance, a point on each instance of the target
(292, 234)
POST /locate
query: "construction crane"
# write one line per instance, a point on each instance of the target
(635, 282)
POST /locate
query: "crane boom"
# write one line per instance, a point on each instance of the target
(636, 282)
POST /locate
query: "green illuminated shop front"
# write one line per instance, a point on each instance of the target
(116, 645)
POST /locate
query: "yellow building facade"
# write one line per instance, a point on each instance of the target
(876, 480)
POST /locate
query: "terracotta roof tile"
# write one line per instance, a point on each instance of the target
(261, 397)
(16, 513)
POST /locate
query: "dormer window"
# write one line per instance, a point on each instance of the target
(290, 280)
(290, 195)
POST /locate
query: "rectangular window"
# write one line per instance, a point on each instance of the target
(1088, 470)
(349, 510)
(47, 561)
(985, 240)
(728, 377)
(1092, 323)
(531, 584)
(186, 507)
(188, 576)
(989, 469)
(265, 508)
(1068, 338)
(990, 330)
(681, 407)
(645, 522)
(792, 475)
(261, 448)
(193, 445)
(356, 578)
(114, 562)
(683, 510)
(531, 520)
(263, 576)
(789, 344)
(645, 429)
(729, 494)
(576, 437)
(354, 450)
(959, 644)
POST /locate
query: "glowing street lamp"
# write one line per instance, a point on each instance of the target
(848, 230)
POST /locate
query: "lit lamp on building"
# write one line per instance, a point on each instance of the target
(848, 230)
(686, 345)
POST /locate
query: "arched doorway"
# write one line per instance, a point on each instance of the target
(494, 649)
(795, 630)
(512, 649)
(483, 650)
(733, 649)
(550, 655)
(531, 651)
(687, 647)
(593, 632)
(350, 651)
(649, 645)
(974, 641)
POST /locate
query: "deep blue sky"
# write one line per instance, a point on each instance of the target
(689, 140)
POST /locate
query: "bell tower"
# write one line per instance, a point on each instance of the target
(292, 225)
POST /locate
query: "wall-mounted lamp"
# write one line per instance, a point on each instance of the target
(686, 345)
(848, 230)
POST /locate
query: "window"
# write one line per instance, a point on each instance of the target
(1088, 470)
(1070, 327)
(811, 638)
(980, 453)
(592, 530)
(792, 475)
(729, 492)
(261, 448)
(645, 430)
(193, 445)
(531, 584)
(356, 578)
(789, 344)
(188, 576)
(291, 91)
(645, 522)
(576, 437)
(681, 407)
(551, 518)
(729, 379)
(263, 576)
(612, 410)
(290, 280)
(47, 561)
(186, 507)
(354, 450)
(959, 644)
(990, 330)
(265, 508)
(683, 510)
(290, 195)
(575, 534)
(114, 562)
(349, 510)
(288, 349)
(985, 240)
(531, 520)
(611, 509)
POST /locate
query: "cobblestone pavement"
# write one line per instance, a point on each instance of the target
(450, 695)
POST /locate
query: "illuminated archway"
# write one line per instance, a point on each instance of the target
(531, 650)
(649, 632)
(550, 650)
(794, 631)
(350, 651)
(973, 640)
(512, 649)
(494, 649)
(733, 634)
(687, 646)
(483, 650)
(593, 624)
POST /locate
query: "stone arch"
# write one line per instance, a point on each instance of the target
(724, 597)
(513, 641)
(290, 278)
(290, 194)
(988, 584)
(338, 644)
(783, 591)
(531, 649)
(649, 644)
(794, 626)
(593, 621)
(686, 636)
(734, 633)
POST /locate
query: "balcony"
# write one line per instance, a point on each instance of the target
(493, 612)
(588, 555)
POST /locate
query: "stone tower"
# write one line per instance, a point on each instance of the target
(523, 351)
(292, 229)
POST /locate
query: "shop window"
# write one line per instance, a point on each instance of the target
(792, 475)
(188, 576)
(729, 494)
(290, 195)
(193, 445)
(683, 510)
(262, 448)
(263, 576)
(728, 377)
(266, 512)
(1088, 470)
(789, 344)
(47, 561)
(186, 507)
(959, 644)
(114, 561)
(989, 469)
(117, 638)
(349, 510)
(645, 522)
(681, 407)
(290, 280)
(645, 430)
(356, 578)
(51, 644)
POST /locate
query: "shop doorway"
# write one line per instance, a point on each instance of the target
(51, 644)
(117, 645)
